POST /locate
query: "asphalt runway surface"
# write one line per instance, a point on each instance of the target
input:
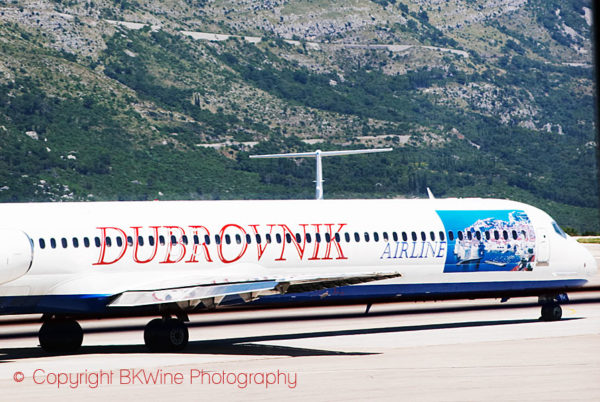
(444, 351)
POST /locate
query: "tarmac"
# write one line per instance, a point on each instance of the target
(446, 351)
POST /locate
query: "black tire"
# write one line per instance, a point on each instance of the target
(152, 334)
(169, 335)
(60, 336)
(177, 333)
(551, 312)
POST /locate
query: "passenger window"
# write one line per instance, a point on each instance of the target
(395, 236)
(42, 243)
(96, 241)
(327, 237)
(278, 238)
(487, 235)
(404, 236)
(75, 242)
(337, 237)
(288, 238)
(207, 240)
(298, 238)
(496, 235)
(63, 241)
(366, 236)
(318, 237)
(227, 239)
(129, 241)
(108, 242)
(375, 236)
(423, 236)
(385, 236)
(238, 239)
(161, 240)
(184, 239)
(268, 237)
(308, 238)
(258, 239)
(514, 234)
(140, 241)
(173, 240)
(347, 237)
(119, 241)
(442, 237)
(450, 235)
(217, 239)
(248, 239)
(151, 240)
(53, 242)
(469, 235)
(414, 236)
(356, 237)
(86, 242)
(524, 234)
(505, 234)
(478, 235)
(460, 235)
(432, 236)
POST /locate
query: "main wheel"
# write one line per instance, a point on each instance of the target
(168, 335)
(551, 312)
(152, 334)
(178, 334)
(60, 335)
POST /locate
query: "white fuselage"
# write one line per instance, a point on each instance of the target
(105, 248)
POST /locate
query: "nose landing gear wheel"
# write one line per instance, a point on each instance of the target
(166, 335)
(551, 312)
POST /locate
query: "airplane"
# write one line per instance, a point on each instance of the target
(173, 257)
(170, 258)
(455, 248)
(477, 241)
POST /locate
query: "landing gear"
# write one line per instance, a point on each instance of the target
(551, 312)
(60, 335)
(166, 335)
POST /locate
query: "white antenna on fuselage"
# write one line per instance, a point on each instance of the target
(318, 154)
(430, 194)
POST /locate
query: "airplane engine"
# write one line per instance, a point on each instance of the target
(16, 254)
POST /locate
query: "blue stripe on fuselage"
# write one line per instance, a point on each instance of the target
(54, 304)
(416, 290)
(97, 304)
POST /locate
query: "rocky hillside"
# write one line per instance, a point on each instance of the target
(165, 99)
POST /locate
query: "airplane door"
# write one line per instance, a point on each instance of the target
(543, 245)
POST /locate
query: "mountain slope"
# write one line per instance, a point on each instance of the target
(117, 100)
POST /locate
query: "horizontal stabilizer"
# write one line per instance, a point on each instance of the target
(318, 154)
(323, 153)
